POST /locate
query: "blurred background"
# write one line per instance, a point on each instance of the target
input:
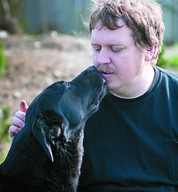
(67, 17)
(42, 41)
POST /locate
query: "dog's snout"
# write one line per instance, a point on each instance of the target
(89, 77)
(95, 76)
(92, 68)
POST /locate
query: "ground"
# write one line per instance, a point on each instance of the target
(36, 62)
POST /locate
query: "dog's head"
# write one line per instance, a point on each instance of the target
(64, 107)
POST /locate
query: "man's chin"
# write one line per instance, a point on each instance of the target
(108, 88)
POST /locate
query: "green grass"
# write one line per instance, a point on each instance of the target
(4, 128)
(2, 158)
(3, 61)
(5, 123)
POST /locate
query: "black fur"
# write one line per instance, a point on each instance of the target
(46, 155)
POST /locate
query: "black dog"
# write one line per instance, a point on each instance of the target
(47, 154)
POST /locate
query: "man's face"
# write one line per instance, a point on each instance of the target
(117, 57)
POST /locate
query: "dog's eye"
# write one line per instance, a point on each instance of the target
(67, 85)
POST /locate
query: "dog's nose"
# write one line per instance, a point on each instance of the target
(92, 68)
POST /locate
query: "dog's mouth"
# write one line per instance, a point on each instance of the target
(95, 105)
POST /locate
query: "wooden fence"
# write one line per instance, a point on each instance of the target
(64, 16)
(68, 16)
(170, 17)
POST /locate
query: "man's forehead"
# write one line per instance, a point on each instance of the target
(103, 35)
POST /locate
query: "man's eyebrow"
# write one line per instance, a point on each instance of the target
(110, 44)
(94, 44)
(115, 44)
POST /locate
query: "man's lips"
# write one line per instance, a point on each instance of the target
(106, 74)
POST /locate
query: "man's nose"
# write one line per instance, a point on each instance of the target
(103, 57)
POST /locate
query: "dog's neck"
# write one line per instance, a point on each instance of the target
(46, 172)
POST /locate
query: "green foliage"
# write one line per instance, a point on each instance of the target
(175, 45)
(169, 61)
(2, 157)
(162, 61)
(173, 61)
(3, 61)
(5, 123)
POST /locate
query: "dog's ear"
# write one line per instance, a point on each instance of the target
(45, 132)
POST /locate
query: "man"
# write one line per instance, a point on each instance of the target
(131, 142)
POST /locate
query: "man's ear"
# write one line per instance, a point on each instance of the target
(46, 133)
(149, 53)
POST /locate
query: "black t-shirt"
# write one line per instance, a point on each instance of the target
(132, 144)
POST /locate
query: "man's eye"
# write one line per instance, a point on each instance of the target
(96, 48)
(116, 50)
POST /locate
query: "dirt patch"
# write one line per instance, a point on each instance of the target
(36, 62)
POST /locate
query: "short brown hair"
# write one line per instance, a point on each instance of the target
(144, 17)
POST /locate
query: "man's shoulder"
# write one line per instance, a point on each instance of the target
(168, 83)
(167, 73)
